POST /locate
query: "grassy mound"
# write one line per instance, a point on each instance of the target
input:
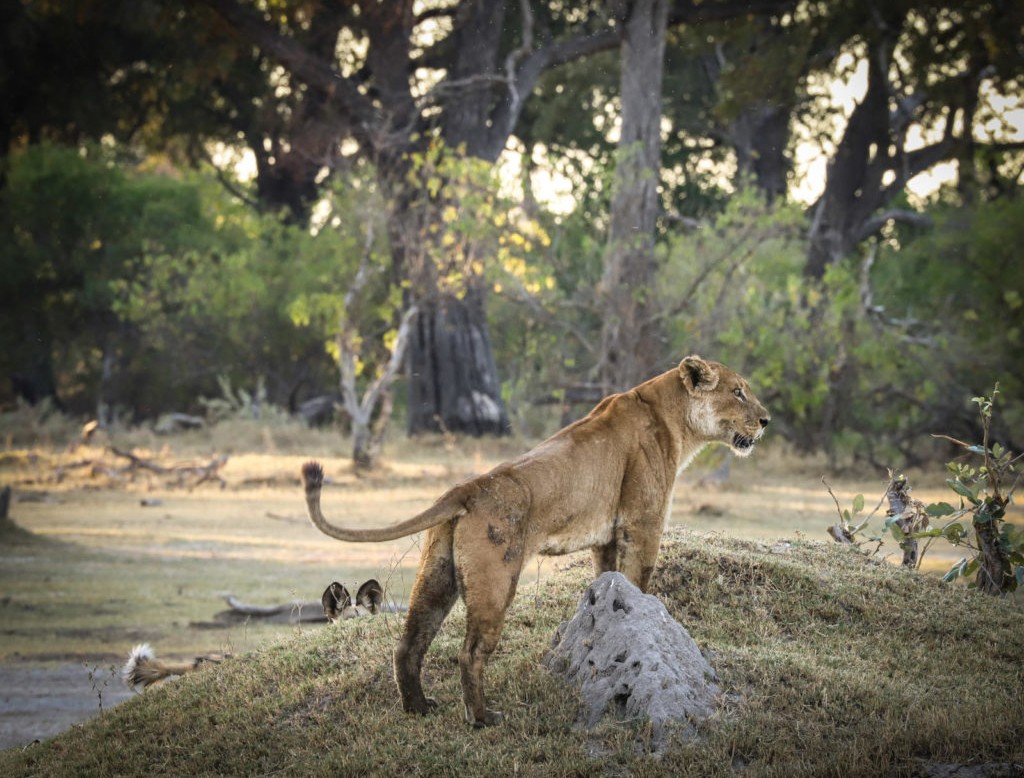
(832, 665)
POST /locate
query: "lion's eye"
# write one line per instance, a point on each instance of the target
(739, 393)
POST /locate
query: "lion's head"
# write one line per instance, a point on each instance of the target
(723, 408)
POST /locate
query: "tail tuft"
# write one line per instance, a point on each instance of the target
(132, 673)
(312, 475)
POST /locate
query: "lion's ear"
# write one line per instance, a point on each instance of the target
(697, 374)
(336, 598)
(370, 595)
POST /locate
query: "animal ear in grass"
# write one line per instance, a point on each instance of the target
(370, 595)
(336, 598)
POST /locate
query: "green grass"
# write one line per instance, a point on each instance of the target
(62, 602)
(832, 665)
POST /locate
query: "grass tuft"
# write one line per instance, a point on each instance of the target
(832, 664)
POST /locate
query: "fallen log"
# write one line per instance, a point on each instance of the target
(136, 462)
(208, 472)
(268, 611)
(203, 472)
(295, 612)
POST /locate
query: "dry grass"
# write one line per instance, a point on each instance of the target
(833, 664)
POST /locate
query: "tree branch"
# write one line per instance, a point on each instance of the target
(299, 61)
(515, 96)
(874, 224)
(226, 181)
(387, 376)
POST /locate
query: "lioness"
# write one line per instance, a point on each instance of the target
(603, 483)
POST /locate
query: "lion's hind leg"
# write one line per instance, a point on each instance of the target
(488, 587)
(432, 597)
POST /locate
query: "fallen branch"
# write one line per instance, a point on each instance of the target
(295, 612)
(209, 471)
(62, 470)
(137, 462)
(289, 519)
(268, 611)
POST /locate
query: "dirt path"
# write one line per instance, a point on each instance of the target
(40, 701)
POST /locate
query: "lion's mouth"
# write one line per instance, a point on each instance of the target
(742, 442)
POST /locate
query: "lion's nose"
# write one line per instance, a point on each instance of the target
(764, 421)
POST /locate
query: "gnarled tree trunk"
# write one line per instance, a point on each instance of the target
(759, 134)
(453, 380)
(631, 338)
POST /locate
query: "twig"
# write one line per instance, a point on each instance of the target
(951, 440)
(840, 532)
(831, 494)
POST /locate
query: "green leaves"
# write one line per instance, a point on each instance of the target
(984, 497)
(954, 533)
(892, 524)
(963, 490)
(962, 569)
(939, 509)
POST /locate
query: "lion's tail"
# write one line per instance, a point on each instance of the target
(144, 669)
(449, 507)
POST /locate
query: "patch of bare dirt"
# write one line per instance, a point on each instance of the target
(40, 701)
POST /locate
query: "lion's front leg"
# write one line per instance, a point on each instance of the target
(605, 558)
(636, 550)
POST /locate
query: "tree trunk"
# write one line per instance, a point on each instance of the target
(631, 339)
(871, 165)
(368, 436)
(467, 112)
(453, 381)
(995, 572)
(759, 134)
(33, 379)
(371, 413)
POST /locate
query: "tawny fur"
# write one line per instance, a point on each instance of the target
(144, 669)
(604, 483)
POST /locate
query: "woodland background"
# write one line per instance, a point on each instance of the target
(466, 214)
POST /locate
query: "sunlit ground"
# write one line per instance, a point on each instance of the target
(143, 559)
(260, 516)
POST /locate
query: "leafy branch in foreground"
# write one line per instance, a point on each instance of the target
(984, 491)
